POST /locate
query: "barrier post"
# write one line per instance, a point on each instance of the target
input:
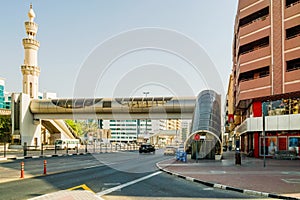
(55, 149)
(45, 167)
(94, 146)
(86, 146)
(22, 170)
(42, 149)
(4, 153)
(67, 148)
(77, 149)
(25, 149)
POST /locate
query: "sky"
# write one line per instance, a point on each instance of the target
(113, 48)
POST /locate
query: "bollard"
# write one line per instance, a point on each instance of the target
(85, 147)
(238, 158)
(45, 167)
(77, 149)
(22, 170)
(67, 148)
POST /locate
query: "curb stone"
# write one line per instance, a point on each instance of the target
(225, 187)
(45, 156)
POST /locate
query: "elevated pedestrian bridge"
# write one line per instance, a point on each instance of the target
(114, 108)
(204, 110)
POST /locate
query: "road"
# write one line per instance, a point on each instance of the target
(122, 175)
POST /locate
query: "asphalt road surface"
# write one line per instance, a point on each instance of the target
(122, 175)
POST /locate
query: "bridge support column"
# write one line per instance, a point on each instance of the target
(30, 128)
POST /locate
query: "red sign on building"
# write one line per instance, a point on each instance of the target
(230, 118)
(197, 137)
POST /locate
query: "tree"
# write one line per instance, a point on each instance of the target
(75, 126)
(89, 126)
(5, 127)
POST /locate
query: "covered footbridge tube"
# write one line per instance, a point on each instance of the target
(204, 140)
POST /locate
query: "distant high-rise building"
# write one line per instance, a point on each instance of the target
(2, 97)
(127, 130)
(185, 129)
(5, 97)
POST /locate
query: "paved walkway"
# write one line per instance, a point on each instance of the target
(280, 178)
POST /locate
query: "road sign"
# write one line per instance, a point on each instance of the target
(197, 137)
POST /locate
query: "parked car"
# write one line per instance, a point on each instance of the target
(147, 148)
(170, 151)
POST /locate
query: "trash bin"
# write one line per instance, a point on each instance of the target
(237, 158)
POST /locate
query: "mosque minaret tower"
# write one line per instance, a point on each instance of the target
(30, 69)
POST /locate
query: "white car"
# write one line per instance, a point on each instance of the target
(170, 151)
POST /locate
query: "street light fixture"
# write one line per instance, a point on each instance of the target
(146, 93)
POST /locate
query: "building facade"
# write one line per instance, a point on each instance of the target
(185, 129)
(5, 97)
(138, 130)
(266, 75)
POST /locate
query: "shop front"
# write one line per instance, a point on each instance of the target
(253, 145)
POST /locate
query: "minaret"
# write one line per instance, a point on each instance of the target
(30, 69)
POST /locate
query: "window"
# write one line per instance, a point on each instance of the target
(254, 74)
(292, 32)
(252, 46)
(30, 90)
(289, 3)
(259, 15)
(292, 65)
(106, 104)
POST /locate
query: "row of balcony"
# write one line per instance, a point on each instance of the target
(290, 9)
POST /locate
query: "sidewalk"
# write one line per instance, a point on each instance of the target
(279, 179)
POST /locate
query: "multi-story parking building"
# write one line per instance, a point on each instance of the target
(266, 75)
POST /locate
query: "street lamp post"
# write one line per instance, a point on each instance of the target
(146, 93)
(264, 134)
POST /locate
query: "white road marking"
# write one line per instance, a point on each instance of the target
(112, 183)
(119, 187)
(291, 180)
(208, 188)
(217, 172)
(92, 166)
